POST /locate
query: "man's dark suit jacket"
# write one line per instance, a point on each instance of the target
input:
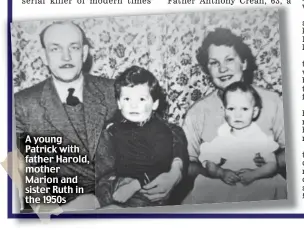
(39, 112)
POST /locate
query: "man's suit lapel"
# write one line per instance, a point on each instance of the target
(55, 113)
(95, 113)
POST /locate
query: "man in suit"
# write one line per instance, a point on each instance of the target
(75, 106)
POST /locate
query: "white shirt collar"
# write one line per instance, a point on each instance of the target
(62, 88)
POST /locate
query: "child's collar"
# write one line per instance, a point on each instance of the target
(139, 124)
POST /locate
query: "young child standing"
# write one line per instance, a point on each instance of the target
(142, 141)
(232, 174)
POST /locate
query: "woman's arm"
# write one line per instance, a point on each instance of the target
(196, 168)
(266, 171)
(215, 171)
(247, 176)
(279, 134)
(180, 152)
(192, 126)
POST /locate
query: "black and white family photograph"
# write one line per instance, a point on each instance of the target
(169, 109)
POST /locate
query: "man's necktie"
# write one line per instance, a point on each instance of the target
(72, 100)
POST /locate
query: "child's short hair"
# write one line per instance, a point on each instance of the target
(136, 76)
(245, 88)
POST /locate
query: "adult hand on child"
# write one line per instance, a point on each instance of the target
(161, 187)
(229, 177)
(246, 176)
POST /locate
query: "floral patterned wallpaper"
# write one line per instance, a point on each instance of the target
(164, 44)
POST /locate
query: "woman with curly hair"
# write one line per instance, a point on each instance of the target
(226, 59)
